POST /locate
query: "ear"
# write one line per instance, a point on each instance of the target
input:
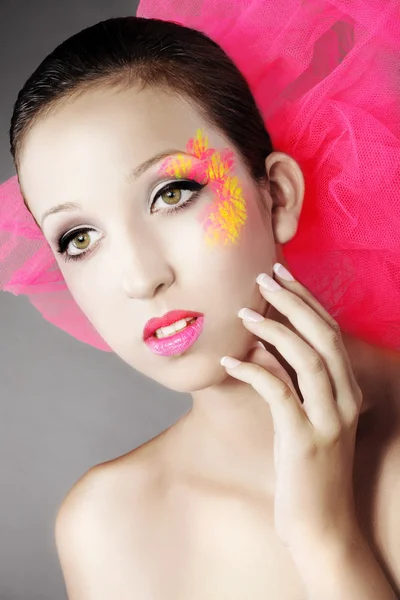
(286, 188)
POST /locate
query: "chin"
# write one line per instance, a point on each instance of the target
(190, 374)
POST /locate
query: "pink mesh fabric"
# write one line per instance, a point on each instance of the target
(28, 266)
(326, 76)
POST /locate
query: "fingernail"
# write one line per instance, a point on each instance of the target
(283, 272)
(260, 344)
(228, 361)
(250, 315)
(268, 283)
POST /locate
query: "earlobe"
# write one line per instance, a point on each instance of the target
(286, 184)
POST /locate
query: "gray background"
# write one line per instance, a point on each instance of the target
(64, 406)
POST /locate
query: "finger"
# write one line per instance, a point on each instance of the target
(287, 414)
(313, 378)
(259, 355)
(324, 337)
(300, 290)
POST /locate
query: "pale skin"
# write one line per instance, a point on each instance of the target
(216, 506)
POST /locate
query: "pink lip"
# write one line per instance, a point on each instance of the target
(170, 317)
(178, 342)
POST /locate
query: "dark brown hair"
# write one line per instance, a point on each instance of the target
(147, 52)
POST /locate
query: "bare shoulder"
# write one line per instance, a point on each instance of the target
(104, 511)
(133, 474)
(96, 490)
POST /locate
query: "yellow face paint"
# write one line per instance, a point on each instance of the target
(178, 166)
(224, 218)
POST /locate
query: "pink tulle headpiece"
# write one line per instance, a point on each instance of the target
(325, 75)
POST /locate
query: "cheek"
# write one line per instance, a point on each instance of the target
(251, 255)
(233, 222)
(86, 287)
(241, 261)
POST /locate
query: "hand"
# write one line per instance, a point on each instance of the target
(315, 435)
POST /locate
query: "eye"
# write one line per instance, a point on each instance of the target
(176, 194)
(75, 243)
(171, 196)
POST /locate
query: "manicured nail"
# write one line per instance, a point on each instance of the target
(250, 315)
(283, 272)
(228, 361)
(268, 283)
(258, 344)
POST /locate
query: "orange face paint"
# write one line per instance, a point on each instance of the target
(224, 218)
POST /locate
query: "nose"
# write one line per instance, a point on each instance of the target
(145, 270)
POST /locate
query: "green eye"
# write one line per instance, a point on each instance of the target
(81, 241)
(177, 195)
(171, 196)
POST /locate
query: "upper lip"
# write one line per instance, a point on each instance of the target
(170, 317)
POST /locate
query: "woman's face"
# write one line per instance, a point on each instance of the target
(140, 257)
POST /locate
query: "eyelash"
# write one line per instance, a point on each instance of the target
(183, 184)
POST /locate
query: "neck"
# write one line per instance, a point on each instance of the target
(231, 425)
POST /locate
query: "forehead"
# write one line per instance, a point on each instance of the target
(103, 134)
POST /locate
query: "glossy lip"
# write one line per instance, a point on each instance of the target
(177, 343)
(170, 317)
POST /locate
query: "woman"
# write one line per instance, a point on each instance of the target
(163, 193)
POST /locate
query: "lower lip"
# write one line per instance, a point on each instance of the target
(177, 343)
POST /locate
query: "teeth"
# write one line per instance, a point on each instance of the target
(163, 332)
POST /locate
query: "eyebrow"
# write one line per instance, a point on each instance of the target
(132, 176)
